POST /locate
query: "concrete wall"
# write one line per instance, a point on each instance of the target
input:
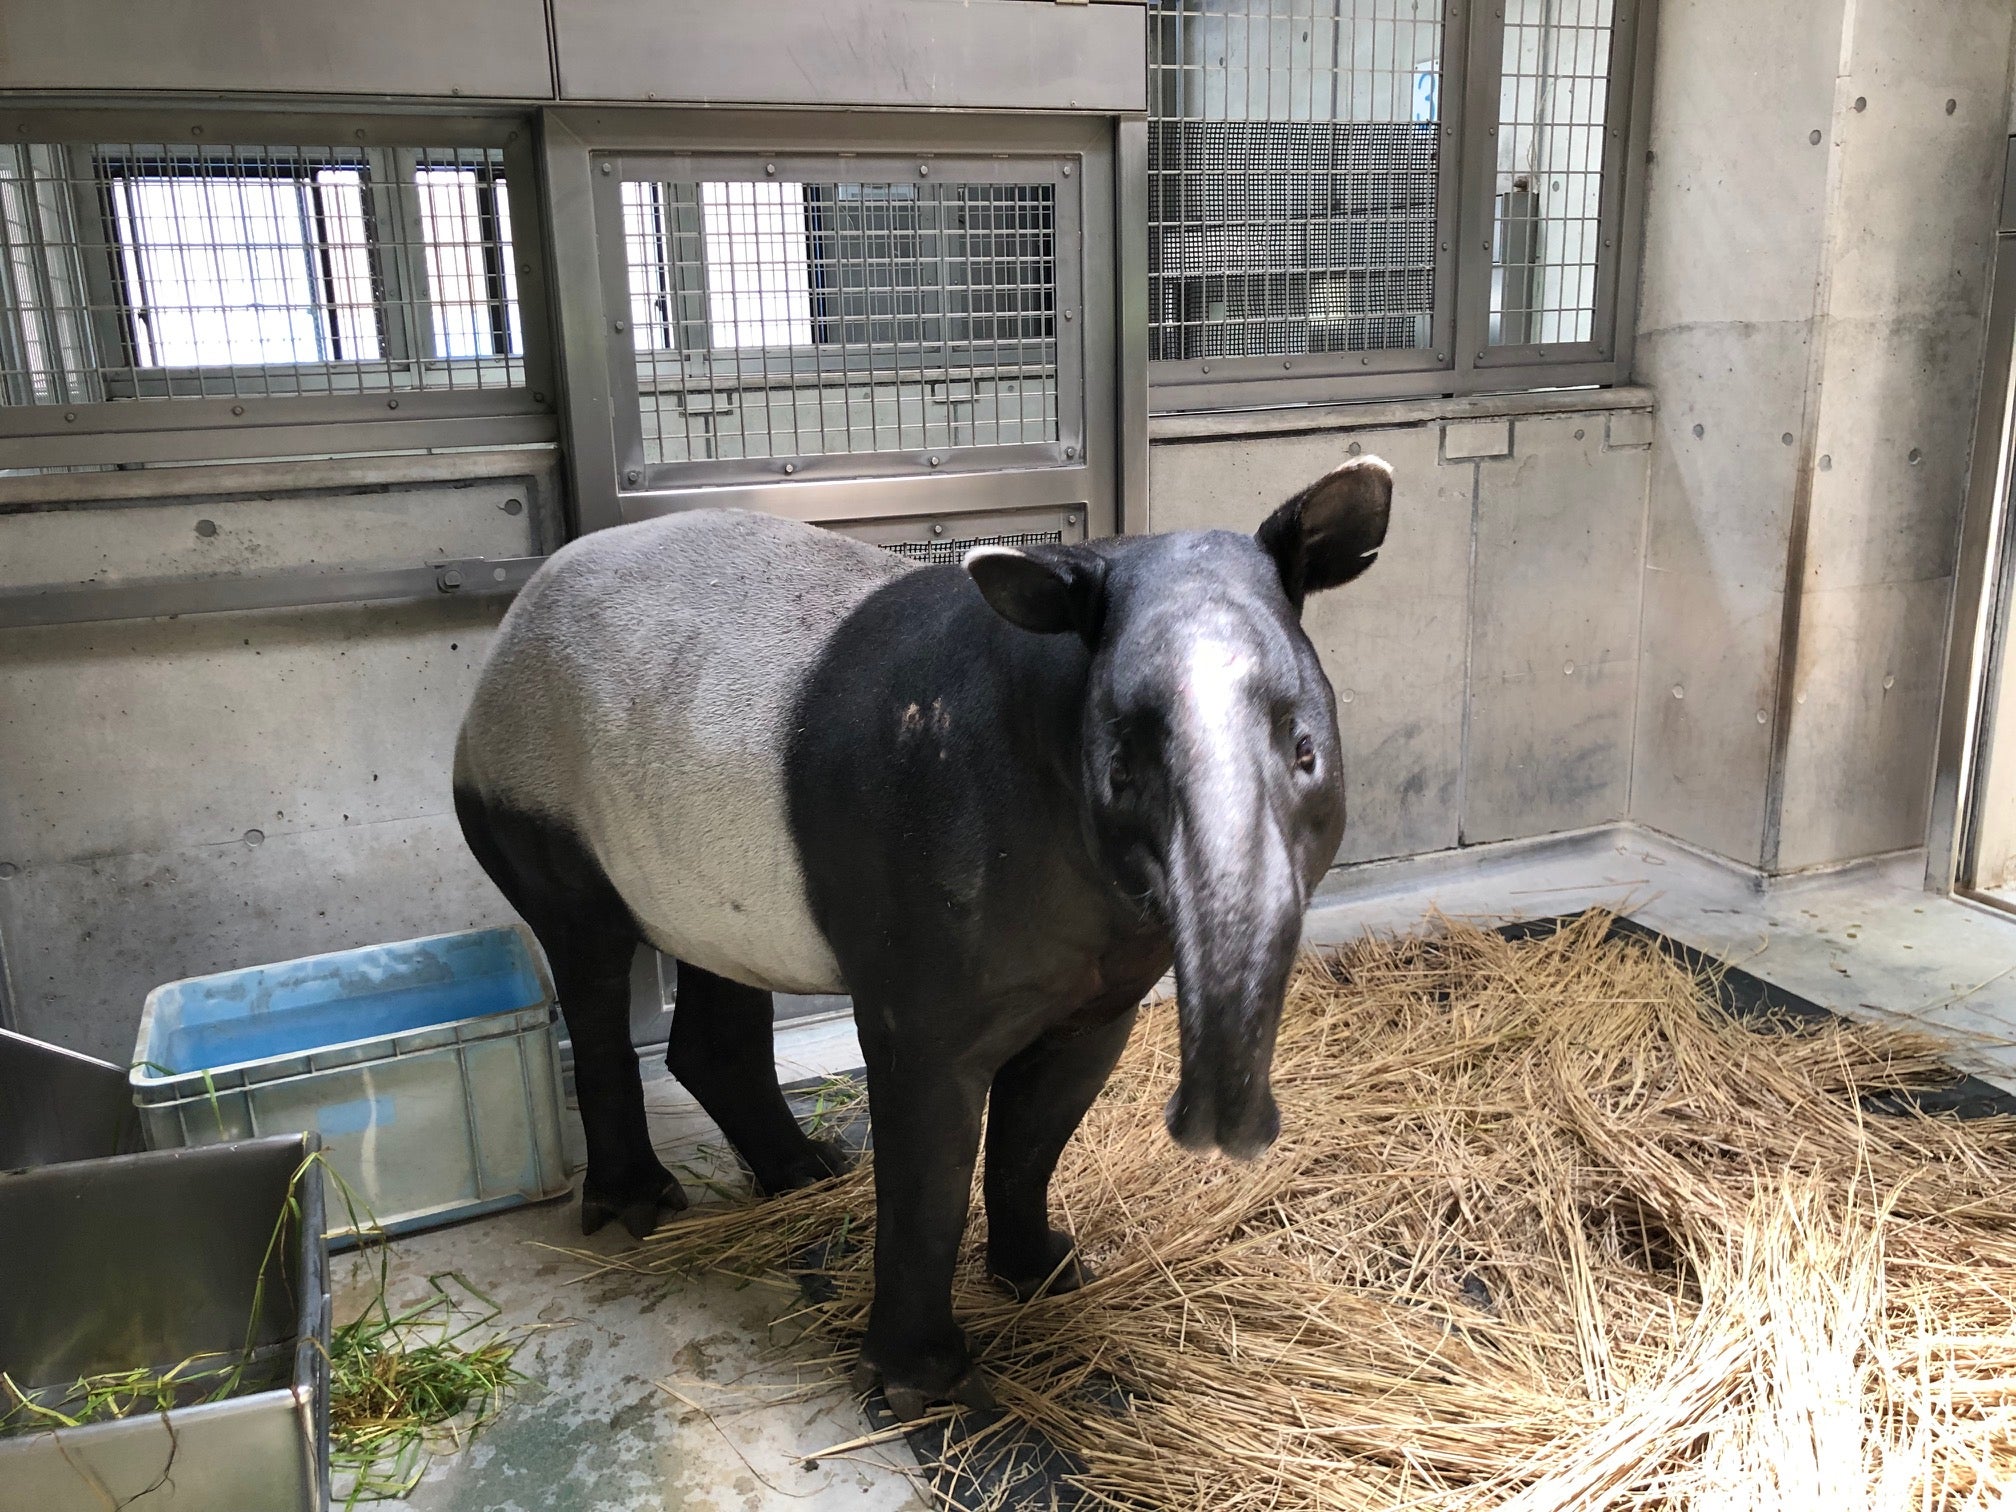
(187, 795)
(1810, 319)
(1486, 667)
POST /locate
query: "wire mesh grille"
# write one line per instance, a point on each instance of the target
(151, 270)
(939, 553)
(788, 319)
(1551, 119)
(1293, 167)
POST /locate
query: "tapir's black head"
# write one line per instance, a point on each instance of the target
(1212, 773)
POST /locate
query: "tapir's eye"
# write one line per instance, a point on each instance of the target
(1305, 754)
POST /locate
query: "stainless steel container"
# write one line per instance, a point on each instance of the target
(147, 1261)
(58, 1105)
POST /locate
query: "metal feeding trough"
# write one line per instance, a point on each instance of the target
(206, 1266)
(57, 1105)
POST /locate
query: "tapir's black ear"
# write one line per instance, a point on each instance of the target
(1331, 531)
(1042, 588)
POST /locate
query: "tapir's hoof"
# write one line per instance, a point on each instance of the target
(909, 1403)
(638, 1211)
(826, 1161)
(835, 1156)
(1058, 1270)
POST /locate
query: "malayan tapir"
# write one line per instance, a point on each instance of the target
(991, 801)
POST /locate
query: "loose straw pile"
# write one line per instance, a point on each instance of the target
(1544, 1229)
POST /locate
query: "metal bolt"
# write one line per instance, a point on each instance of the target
(1441, 357)
(1067, 170)
(538, 398)
(790, 468)
(932, 460)
(498, 574)
(620, 326)
(1070, 519)
(524, 267)
(1287, 365)
(1786, 439)
(1070, 453)
(1890, 681)
(1678, 691)
(1354, 448)
(1346, 695)
(633, 477)
(1568, 669)
(391, 404)
(924, 169)
(1205, 368)
(448, 580)
(255, 837)
(1070, 315)
(195, 131)
(937, 530)
(514, 506)
(69, 415)
(1761, 718)
(359, 133)
(1480, 356)
(607, 169)
(237, 409)
(1364, 362)
(770, 168)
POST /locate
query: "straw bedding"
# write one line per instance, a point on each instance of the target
(1544, 1229)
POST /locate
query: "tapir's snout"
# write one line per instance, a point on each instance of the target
(1237, 923)
(1237, 1120)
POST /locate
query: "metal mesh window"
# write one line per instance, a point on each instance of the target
(1293, 163)
(939, 553)
(1549, 194)
(784, 318)
(154, 270)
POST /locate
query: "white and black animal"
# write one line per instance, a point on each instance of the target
(992, 802)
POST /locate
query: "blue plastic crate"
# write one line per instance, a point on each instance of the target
(428, 1068)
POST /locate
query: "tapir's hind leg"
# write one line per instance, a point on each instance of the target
(721, 1051)
(589, 939)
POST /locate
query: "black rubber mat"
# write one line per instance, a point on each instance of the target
(979, 1462)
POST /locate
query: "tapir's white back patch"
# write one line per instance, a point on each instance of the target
(642, 692)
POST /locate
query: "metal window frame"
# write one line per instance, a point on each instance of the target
(223, 428)
(1067, 230)
(1462, 361)
(1980, 638)
(1106, 479)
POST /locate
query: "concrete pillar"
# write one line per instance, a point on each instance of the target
(1820, 208)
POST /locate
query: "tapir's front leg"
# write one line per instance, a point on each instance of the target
(1039, 1099)
(926, 1120)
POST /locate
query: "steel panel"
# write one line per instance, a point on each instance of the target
(1977, 609)
(153, 598)
(446, 47)
(984, 54)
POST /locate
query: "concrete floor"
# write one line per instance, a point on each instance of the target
(601, 1431)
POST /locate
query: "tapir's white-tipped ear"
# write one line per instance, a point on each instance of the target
(1332, 530)
(1046, 589)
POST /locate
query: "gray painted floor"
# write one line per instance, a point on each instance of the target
(600, 1430)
